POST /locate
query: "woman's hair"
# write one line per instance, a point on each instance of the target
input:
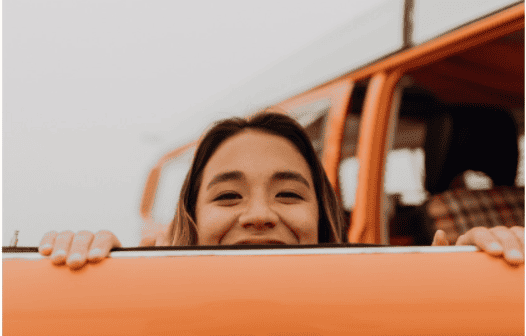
(183, 229)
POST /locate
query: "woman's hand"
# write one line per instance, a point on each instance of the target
(75, 249)
(497, 241)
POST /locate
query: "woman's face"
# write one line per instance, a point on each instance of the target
(257, 189)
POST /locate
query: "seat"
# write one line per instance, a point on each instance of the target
(478, 138)
(458, 210)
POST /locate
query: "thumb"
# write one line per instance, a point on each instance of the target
(440, 239)
(162, 239)
(147, 241)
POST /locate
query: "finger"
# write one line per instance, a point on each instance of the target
(510, 243)
(148, 241)
(482, 238)
(519, 233)
(440, 239)
(46, 244)
(162, 240)
(79, 249)
(61, 248)
(102, 244)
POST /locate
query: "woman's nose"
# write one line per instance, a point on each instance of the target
(259, 216)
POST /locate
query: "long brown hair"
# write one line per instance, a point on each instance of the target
(183, 230)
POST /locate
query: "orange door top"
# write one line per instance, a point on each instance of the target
(319, 291)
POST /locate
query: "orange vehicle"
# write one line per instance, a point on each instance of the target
(358, 288)
(455, 68)
(297, 291)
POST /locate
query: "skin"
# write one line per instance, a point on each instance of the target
(257, 208)
(498, 241)
(76, 249)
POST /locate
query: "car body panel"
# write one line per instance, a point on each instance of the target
(319, 291)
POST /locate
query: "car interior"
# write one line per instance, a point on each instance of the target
(461, 124)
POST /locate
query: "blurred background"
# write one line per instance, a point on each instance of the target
(95, 93)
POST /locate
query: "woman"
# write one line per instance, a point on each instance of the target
(257, 181)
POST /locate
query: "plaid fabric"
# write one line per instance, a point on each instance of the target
(456, 211)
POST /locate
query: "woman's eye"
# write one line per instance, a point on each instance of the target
(228, 196)
(289, 195)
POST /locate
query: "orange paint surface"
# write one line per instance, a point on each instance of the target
(462, 293)
(371, 155)
(332, 142)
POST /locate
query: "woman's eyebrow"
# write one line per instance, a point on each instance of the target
(227, 176)
(290, 175)
(236, 175)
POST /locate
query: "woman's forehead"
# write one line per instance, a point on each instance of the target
(256, 152)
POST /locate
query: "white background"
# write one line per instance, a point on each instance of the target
(94, 92)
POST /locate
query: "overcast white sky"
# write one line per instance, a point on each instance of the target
(94, 92)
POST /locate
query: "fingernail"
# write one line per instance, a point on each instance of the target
(45, 248)
(74, 261)
(495, 247)
(59, 257)
(95, 253)
(75, 257)
(514, 254)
